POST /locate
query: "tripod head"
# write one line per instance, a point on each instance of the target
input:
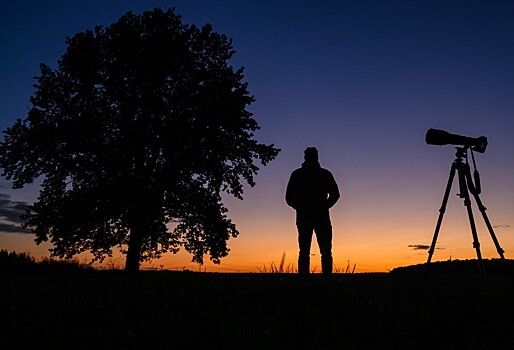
(461, 155)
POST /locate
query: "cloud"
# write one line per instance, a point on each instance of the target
(421, 247)
(501, 226)
(12, 228)
(10, 212)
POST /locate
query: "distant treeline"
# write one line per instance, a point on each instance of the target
(456, 267)
(12, 262)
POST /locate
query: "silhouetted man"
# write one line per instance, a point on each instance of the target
(312, 191)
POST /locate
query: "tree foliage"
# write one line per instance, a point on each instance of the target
(135, 135)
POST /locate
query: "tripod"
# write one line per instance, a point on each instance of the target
(465, 187)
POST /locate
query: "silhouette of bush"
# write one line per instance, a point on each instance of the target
(12, 262)
(457, 267)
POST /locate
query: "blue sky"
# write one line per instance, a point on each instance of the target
(360, 80)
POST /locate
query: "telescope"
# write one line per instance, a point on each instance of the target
(441, 137)
(469, 186)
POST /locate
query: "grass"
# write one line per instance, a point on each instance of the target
(185, 310)
(291, 268)
(273, 268)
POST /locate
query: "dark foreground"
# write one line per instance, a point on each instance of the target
(179, 310)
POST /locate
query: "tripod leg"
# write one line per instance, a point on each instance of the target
(499, 249)
(463, 174)
(482, 209)
(441, 214)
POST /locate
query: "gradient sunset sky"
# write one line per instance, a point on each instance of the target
(360, 80)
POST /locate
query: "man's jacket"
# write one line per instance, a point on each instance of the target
(311, 190)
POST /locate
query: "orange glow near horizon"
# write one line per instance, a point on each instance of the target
(370, 250)
(377, 224)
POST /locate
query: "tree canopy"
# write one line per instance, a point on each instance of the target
(135, 135)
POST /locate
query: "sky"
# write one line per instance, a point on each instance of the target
(360, 80)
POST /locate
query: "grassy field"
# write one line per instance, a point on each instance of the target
(182, 310)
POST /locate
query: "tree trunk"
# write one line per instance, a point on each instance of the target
(134, 248)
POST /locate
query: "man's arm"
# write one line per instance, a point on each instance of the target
(333, 191)
(291, 192)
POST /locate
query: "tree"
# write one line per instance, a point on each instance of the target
(135, 135)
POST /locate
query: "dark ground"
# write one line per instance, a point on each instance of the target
(181, 310)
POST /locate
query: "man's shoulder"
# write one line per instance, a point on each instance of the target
(297, 171)
(310, 170)
(319, 171)
(326, 171)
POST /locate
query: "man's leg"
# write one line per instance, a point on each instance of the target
(304, 243)
(324, 237)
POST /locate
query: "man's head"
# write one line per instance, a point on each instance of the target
(311, 154)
